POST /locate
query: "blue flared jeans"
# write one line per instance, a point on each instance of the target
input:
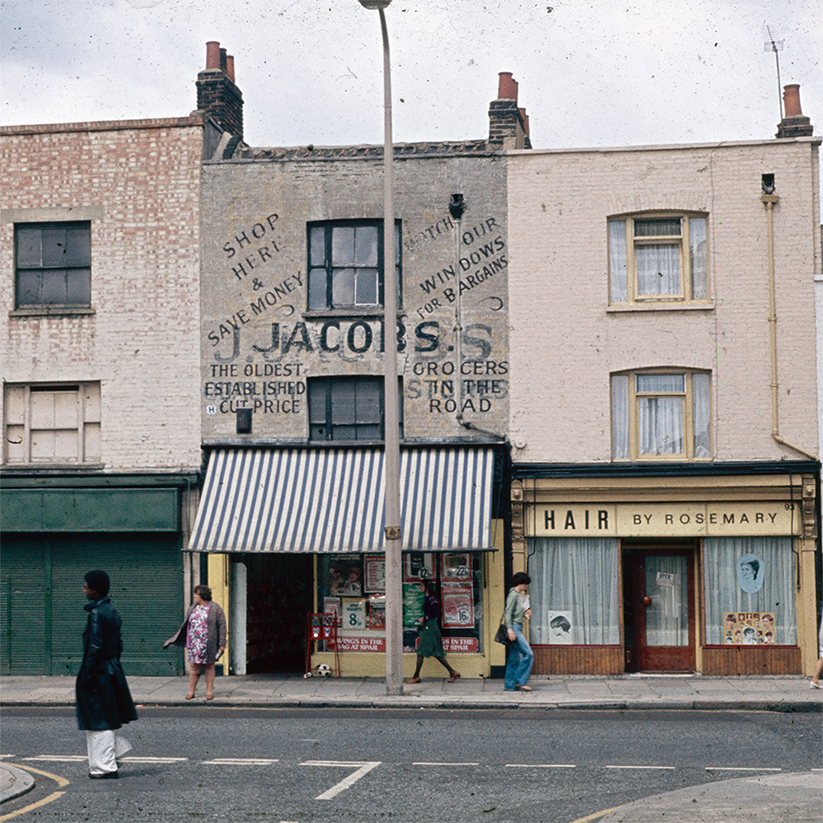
(521, 657)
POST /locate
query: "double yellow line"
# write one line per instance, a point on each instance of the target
(61, 782)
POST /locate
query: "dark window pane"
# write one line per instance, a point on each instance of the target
(78, 287)
(78, 246)
(365, 246)
(369, 433)
(662, 227)
(317, 402)
(317, 289)
(343, 402)
(28, 288)
(29, 251)
(366, 293)
(317, 243)
(368, 402)
(54, 287)
(54, 246)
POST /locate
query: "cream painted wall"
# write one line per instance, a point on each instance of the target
(565, 342)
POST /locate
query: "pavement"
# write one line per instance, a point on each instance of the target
(769, 798)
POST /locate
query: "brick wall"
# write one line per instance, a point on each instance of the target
(565, 342)
(138, 183)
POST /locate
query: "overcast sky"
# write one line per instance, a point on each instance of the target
(593, 73)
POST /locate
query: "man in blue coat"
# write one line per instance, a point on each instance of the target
(103, 699)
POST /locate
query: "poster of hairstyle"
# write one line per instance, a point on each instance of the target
(560, 628)
(750, 572)
(748, 628)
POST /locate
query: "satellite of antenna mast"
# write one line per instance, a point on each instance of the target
(776, 46)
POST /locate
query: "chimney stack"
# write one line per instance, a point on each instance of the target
(217, 94)
(508, 124)
(793, 124)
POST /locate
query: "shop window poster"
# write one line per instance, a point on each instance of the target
(331, 605)
(418, 566)
(560, 628)
(354, 612)
(457, 606)
(456, 567)
(412, 605)
(750, 572)
(376, 615)
(748, 628)
(375, 580)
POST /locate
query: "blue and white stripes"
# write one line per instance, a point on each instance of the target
(313, 500)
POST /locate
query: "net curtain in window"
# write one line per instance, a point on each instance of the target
(724, 592)
(575, 579)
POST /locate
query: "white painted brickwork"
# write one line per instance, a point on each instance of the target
(565, 342)
(140, 181)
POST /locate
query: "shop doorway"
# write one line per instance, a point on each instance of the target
(279, 596)
(658, 610)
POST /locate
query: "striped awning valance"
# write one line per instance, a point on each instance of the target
(331, 500)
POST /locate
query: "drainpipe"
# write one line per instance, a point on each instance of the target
(770, 200)
(457, 205)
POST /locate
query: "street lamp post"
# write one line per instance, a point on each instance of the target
(391, 459)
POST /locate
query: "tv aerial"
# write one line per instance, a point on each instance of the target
(776, 46)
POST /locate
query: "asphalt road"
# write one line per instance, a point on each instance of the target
(411, 765)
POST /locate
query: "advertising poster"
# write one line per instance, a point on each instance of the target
(331, 605)
(354, 612)
(748, 628)
(560, 627)
(456, 567)
(417, 566)
(376, 617)
(458, 606)
(412, 605)
(375, 573)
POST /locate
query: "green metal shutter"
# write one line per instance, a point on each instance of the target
(25, 610)
(146, 588)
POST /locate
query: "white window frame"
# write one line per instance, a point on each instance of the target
(695, 410)
(22, 428)
(692, 245)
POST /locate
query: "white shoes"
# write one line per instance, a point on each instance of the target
(813, 685)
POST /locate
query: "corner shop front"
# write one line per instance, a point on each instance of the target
(294, 531)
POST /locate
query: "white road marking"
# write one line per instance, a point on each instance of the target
(362, 769)
(540, 766)
(740, 769)
(57, 758)
(239, 761)
(423, 763)
(665, 768)
(153, 759)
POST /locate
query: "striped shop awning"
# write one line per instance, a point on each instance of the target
(331, 500)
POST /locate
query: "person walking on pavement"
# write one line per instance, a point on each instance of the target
(521, 656)
(104, 702)
(203, 633)
(431, 643)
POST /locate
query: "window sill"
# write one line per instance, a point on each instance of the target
(54, 311)
(660, 307)
(62, 467)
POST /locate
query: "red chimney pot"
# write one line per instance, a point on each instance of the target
(506, 86)
(230, 67)
(212, 55)
(791, 100)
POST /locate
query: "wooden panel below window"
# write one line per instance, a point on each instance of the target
(578, 660)
(734, 660)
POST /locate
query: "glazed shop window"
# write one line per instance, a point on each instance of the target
(574, 591)
(353, 587)
(52, 424)
(347, 408)
(749, 591)
(53, 265)
(346, 265)
(658, 259)
(661, 415)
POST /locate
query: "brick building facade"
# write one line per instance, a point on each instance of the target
(99, 336)
(665, 455)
